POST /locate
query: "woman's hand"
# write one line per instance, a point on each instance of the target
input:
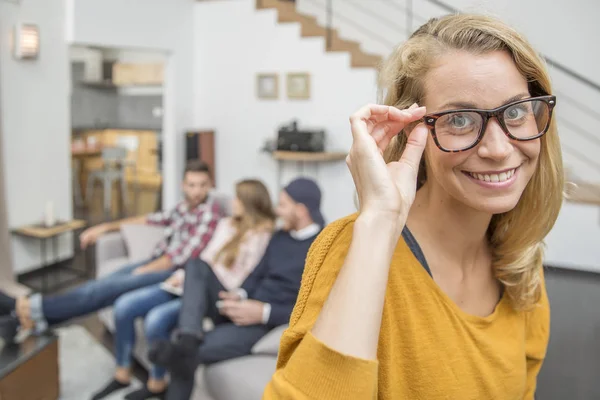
(176, 279)
(386, 190)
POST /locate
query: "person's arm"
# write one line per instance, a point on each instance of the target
(160, 218)
(277, 314)
(256, 276)
(162, 263)
(253, 248)
(536, 340)
(200, 236)
(90, 235)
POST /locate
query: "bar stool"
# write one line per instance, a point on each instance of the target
(114, 160)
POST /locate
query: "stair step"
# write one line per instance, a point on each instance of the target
(286, 13)
(360, 59)
(339, 44)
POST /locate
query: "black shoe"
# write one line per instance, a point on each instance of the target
(179, 357)
(8, 328)
(145, 394)
(111, 387)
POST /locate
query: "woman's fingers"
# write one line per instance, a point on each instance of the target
(365, 121)
(384, 131)
(414, 148)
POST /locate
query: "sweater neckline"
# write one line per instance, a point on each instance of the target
(437, 290)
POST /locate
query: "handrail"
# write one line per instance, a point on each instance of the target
(575, 75)
(349, 21)
(580, 156)
(577, 129)
(584, 107)
(367, 11)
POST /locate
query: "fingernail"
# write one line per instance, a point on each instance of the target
(414, 110)
(413, 105)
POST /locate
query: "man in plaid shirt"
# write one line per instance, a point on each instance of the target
(188, 229)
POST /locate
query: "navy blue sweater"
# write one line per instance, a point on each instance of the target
(276, 278)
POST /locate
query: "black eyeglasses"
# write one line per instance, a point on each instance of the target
(458, 130)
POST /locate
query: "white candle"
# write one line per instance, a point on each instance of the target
(50, 220)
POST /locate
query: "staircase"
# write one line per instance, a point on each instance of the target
(287, 13)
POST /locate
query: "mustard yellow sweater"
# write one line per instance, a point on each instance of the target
(428, 347)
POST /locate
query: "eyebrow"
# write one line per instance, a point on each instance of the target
(461, 104)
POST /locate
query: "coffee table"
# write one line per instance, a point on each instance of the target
(29, 370)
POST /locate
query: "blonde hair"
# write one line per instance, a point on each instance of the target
(258, 215)
(516, 237)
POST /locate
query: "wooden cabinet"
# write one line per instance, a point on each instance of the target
(200, 145)
(124, 74)
(35, 377)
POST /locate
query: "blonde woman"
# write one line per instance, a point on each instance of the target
(435, 289)
(236, 247)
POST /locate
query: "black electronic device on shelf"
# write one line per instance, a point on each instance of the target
(290, 138)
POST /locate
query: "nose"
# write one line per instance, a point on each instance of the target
(495, 144)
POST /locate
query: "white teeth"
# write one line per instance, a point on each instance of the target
(501, 177)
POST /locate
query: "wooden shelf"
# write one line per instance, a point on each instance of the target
(108, 85)
(308, 156)
(41, 232)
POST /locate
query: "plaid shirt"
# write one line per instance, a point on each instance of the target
(187, 231)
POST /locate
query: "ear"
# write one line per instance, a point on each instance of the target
(302, 210)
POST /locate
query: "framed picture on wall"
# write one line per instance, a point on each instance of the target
(267, 86)
(298, 85)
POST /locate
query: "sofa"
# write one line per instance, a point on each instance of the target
(238, 379)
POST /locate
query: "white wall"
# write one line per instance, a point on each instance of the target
(35, 124)
(154, 25)
(234, 42)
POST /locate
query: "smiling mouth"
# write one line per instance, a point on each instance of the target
(493, 177)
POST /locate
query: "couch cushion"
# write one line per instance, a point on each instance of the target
(110, 266)
(269, 344)
(141, 240)
(242, 378)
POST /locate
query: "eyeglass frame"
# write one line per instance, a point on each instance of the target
(430, 119)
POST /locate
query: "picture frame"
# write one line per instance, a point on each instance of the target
(298, 85)
(267, 86)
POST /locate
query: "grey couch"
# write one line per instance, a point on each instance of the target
(238, 379)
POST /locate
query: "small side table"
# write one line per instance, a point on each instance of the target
(43, 234)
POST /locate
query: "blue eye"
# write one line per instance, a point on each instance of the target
(460, 121)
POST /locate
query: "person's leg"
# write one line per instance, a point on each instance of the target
(94, 295)
(200, 294)
(158, 325)
(225, 342)
(127, 309)
(7, 304)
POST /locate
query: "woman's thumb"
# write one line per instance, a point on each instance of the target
(415, 145)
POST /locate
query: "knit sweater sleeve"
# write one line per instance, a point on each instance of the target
(307, 368)
(536, 340)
